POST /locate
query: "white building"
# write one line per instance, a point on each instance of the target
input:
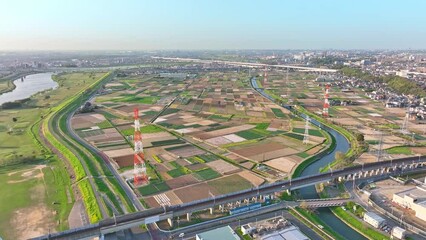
(290, 233)
(413, 198)
(374, 219)
(247, 229)
(398, 233)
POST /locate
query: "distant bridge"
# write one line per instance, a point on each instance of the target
(383, 168)
(248, 64)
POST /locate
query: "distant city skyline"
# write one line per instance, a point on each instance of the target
(211, 25)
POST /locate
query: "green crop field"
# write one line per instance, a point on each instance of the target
(153, 188)
(295, 136)
(278, 113)
(312, 132)
(399, 150)
(135, 99)
(104, 124)
(249, 134)
(206, 174)
(229, 184)
(208, 157)
(167, 142)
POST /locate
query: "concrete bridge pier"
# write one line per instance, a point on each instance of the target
(288, 192)
(211, 210)
(246, 201)
(188, 216)
(230, 205)
(238, 203)
(340, 179)
(222, 207)
(170, 221)
(254, 199)
(377, 172)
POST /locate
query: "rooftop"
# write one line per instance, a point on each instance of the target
(223, 233)
(415, 192)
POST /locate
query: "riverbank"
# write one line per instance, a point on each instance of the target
(6, 83)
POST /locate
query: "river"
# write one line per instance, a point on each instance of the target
(29, 86)
(325, 214)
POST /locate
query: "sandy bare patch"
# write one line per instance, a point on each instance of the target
(218, 141)
(36, 221)
(234, 138)
(282, 163)
(252, 178)
(223, 167)
(119, 152)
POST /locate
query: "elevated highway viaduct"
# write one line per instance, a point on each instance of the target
(253, 65)
(371, 170)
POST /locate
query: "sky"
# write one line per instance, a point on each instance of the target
(213, 24)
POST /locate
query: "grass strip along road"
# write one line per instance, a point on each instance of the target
(86, 166)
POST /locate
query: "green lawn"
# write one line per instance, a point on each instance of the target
(359, 225)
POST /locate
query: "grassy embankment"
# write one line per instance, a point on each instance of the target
(81, 158)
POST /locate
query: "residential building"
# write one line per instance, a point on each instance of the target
(374, 219)
(398, 233)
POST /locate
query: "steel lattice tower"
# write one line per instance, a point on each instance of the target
(265, 75)
(139, 171)
(404, 127)
(326, 102)
(380, 149)
(306, 135)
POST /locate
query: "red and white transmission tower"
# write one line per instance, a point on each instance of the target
(265, 75)
(326, 102)
(139, 171)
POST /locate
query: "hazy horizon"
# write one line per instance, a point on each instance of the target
(49, 25)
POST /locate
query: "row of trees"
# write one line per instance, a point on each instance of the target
(396, 83)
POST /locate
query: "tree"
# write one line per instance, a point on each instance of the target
(360, 137)
(14, 119)
(339, 156)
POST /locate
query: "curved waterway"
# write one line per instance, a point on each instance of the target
(28, 86)
(325, 214)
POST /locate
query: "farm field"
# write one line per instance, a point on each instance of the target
(209, 139)
(363, 115)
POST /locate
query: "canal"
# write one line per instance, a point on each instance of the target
(342, 145)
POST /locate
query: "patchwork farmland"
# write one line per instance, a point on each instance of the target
(215, 136)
